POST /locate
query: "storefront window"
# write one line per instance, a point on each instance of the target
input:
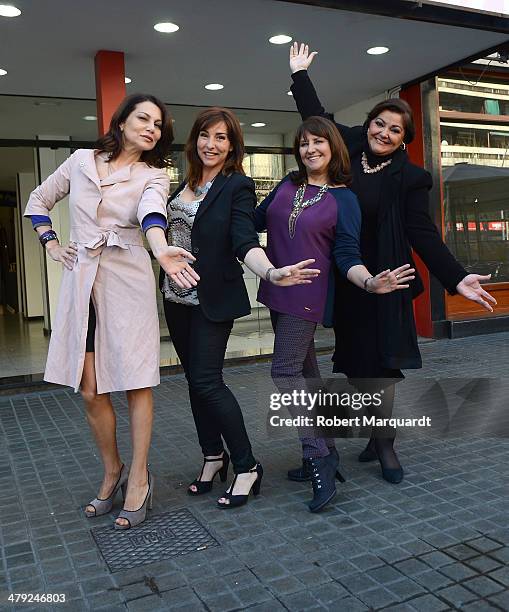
(475, 172)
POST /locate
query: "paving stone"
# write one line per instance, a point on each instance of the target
(411, 567)
(405, 589)
(436, 559)
(483, 564)
(358, 583)
(146, 604)
(429, 603)
(483, 586)
(378, 598)
(458, 572)
(456, 595)
(501, 599)
(285, 586)
(433, 580)
(301, 601)
(501, 575)
(485, 544)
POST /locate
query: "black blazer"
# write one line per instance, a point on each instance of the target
(223, 232)
(403, 222)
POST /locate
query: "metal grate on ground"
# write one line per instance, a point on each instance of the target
(163, 536)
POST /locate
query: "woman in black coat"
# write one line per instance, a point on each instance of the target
(212, 213)
(376, 335)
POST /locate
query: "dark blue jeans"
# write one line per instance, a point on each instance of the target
(201, 347)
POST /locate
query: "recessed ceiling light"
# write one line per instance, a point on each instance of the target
(289, 93)
(280, 39)
(214, 86)
(241, 123)
(127, 80)
(258, 124)
(7, 10)
(3, 72)
(377, 50)
(90, 118)
(166, 27)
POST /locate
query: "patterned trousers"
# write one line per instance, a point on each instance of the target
(294, 366)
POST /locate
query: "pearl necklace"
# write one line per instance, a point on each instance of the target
(367, 169)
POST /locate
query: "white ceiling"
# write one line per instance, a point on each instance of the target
(49, 50)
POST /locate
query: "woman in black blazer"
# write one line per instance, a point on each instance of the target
(375, 334)
(212, 212)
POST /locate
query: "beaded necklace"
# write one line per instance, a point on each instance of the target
(299, 204)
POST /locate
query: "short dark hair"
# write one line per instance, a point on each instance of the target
(111, 142)
(339, 169)
(205, 119)
(399, 106)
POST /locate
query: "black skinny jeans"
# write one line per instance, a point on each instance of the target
(201, 347)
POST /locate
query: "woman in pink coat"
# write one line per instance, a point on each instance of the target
(105, 335)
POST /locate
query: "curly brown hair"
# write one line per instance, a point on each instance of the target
(112, 141)
(205, 119)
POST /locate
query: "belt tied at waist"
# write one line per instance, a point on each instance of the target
(108, 237)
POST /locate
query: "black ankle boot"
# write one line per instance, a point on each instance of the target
(302, 473)
(333, 458)
(323, 474)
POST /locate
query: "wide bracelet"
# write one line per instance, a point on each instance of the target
(47, 237)
(366, 284)
(267, 274)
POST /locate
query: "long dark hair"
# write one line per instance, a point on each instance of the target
(205, 119)
(402, 108)
(339, 169)
(112, 141)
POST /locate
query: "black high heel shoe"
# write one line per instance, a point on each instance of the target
(204, 486)
(234, 501)
(393, 475)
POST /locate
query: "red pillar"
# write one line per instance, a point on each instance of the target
(109, 85)
(422, 305)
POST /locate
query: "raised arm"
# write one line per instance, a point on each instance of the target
(304, 92)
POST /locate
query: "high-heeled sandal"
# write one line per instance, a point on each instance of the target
(234, 501)
(204, 486)
(103, 506)
(135, 517)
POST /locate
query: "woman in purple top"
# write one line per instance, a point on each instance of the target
(313, 212)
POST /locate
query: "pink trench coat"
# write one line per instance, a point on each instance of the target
(112, 266)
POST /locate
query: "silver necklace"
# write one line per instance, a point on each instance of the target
(368, 169)
(203, 190)
(299, 204)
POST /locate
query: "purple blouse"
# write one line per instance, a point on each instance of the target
(315, 236)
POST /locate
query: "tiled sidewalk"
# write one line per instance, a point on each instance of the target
(437, 541)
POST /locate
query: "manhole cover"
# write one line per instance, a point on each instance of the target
(160, 537)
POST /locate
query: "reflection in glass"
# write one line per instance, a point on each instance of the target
(476, 204)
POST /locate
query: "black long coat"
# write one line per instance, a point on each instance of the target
(223, 232)
(404, 222)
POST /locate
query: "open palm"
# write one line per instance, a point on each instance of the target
(470, 288)
(300, 57)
